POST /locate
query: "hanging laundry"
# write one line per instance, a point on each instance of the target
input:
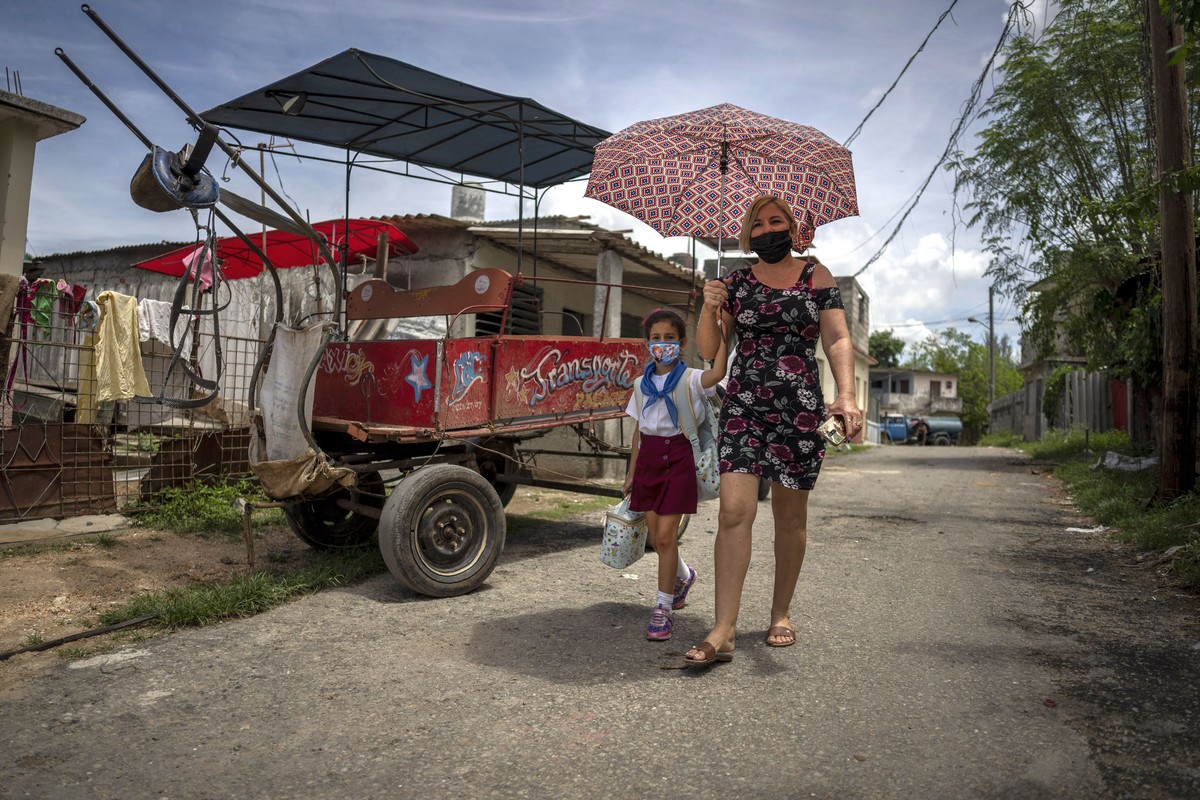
(119, 371)
(45, 295)
(70, 296)
(204, 254)
(154, 322)
(89, 316)
(21, 314)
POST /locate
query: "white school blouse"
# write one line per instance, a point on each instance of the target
(656, 420)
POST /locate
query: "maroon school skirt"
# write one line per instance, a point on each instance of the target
(664, 477)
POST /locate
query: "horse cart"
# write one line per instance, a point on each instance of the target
(449, 416)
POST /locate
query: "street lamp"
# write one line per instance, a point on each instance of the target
(991, 349)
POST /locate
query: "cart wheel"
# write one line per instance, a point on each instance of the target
(494, 464)
(764, 488)
(442, 530)
(324, 525)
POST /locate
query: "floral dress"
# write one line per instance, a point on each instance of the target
(773, 403)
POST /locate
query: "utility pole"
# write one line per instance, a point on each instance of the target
(991, 350)
(1177, 437)
(991, 326)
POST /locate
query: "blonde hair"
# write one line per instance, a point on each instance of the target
(752, 212)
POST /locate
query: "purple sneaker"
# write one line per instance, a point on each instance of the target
(682, 587)
(662, 622)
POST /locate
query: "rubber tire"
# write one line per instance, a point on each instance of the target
(941, 441)
(413, 536)
(321, 524)
(493, 464)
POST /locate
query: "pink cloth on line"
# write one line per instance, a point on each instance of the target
(206, 268)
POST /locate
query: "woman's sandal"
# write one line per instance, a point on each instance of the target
(711, 655)
(780, 631)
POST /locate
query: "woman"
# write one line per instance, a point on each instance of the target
(772, 408)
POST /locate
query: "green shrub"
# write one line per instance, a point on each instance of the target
(1060, 445)
(205, 508)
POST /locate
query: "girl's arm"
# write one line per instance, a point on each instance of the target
(633, 453)
(713, 375)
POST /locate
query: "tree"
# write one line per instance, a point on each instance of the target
(1063, 187)
(885, 347)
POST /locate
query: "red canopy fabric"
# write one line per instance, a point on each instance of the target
(287, 249)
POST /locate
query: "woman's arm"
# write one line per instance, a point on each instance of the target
(839, 351)
(714, 325)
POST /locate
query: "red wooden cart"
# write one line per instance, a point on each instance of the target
(448, 414)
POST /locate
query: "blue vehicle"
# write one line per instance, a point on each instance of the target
(901, 429)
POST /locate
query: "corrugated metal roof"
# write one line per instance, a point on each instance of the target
(570, 244)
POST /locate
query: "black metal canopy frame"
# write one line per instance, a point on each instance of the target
(376, 105)
(368, 104)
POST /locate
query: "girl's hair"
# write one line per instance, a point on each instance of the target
(665, 315)
(752, 212)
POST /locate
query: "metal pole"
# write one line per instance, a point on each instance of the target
(991, 350)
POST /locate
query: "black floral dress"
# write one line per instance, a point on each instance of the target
(773, 403)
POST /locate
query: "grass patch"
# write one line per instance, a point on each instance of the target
(1001, 439)
(247, 595)
(567, 507)
(205, 509)
(1124, 500)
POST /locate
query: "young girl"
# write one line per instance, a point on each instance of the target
(662, 468)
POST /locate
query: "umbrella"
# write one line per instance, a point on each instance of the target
(285, 249)
(695, 174)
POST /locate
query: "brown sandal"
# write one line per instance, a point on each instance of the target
(711, 654)
(781, 630)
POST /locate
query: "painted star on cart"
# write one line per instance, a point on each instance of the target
(418, 378)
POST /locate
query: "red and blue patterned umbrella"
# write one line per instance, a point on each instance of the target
(695, 174)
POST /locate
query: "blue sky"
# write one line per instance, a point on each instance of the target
(608, 63)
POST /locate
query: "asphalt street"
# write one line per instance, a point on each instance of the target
(957, 639)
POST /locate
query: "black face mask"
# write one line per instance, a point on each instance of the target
(772, 247)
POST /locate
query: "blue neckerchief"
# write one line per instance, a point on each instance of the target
(653, 394)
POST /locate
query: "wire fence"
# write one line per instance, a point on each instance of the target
(65, 451)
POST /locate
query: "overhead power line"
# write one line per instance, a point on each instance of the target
(907, 64)
(1010, 22)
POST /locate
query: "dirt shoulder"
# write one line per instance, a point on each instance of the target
(54, 589)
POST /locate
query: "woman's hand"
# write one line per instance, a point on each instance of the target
(627, 488)
(852, 417)
(715, 294)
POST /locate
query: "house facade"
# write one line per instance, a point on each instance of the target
(914, 392)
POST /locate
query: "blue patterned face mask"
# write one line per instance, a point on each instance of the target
(664, 353)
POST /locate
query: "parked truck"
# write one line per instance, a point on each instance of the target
(901, 429)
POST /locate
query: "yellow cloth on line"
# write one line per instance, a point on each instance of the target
(119, 371)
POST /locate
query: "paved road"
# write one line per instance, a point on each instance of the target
(955, 640)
